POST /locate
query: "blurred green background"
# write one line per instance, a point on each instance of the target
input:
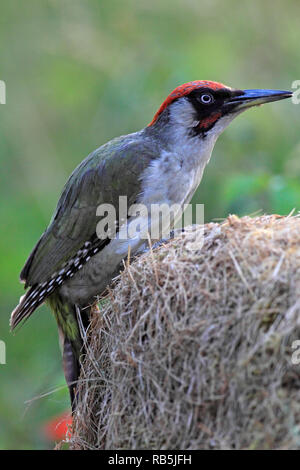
(77, 74)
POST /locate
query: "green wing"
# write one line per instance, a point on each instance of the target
(111, 171)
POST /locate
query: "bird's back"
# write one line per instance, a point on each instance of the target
(109, 172)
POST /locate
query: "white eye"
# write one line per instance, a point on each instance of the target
(206, 98)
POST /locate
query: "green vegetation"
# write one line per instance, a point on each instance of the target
(79, 73)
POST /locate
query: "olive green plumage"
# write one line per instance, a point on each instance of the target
(111, 171)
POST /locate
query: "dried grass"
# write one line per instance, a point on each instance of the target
(194, 348)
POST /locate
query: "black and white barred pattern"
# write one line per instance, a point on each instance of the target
(37, 294)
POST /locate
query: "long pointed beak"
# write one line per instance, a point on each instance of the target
(249, 98)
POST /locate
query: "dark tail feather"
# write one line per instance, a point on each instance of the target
(33, 298)
(72, 323)
(73, 348)
(71, 365)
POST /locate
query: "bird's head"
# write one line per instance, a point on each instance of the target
(205, 108)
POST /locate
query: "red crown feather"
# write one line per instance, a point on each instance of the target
(183, 90)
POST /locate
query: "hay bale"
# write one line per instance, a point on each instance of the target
(194, 348)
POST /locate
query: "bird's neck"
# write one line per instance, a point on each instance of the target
(174, 176)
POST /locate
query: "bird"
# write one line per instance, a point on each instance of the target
(71, 265)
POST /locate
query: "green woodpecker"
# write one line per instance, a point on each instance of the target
(162, 163)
